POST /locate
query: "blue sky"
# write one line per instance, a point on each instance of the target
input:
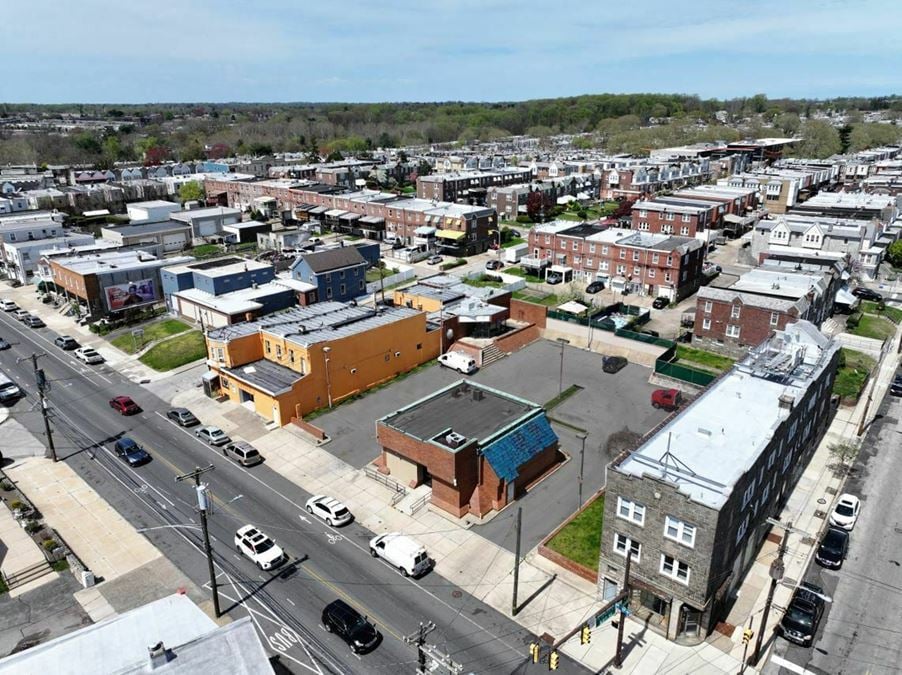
(135, 51)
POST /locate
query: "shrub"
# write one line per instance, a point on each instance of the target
(33, 526)
(49, 544)
(842, 359)
(15, 505)
(853, 320)
(526, 220)
(6, 486)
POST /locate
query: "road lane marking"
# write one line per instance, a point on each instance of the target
(789, 665)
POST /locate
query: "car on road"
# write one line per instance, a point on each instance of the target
(66, 342)
(833, 548)
(212, 435)
(88, 355)
(660, 302)
(613, 364)
(595, 287)
(329, 509)
(131, 452)
(802, 616)
(668, 399)
(516, 233)
(242, 452)
(351, 626)
(845, 513)
(493, 265)
(21, 314)
(434, 260)
(4, 344)
(10, 392)
(459, 361)
(261, 549)
(124, 405)
(867, 294)
(8, 305)
(554, 278)
(402, 552)
(895, 389)
(183, 417)
(33, 321)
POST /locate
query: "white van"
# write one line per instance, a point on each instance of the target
(459, 361)
(403, 552)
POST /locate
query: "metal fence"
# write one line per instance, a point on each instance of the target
(699, 378)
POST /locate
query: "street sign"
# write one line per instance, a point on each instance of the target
(604, 616)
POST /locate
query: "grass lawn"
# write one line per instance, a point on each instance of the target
(205, 250)
(580, 539)
(520, 272)
(373, 273)
(894, 314)
(548, 300)
(513, 241)
(176, 351)
(851, 377)
(154, 331)
(703, 359)
(874, 327)
(482, 281)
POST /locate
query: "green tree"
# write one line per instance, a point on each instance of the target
(819, 140)
(894, 254)
(788, 123)
(191, 192)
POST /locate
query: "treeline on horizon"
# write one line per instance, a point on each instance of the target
(633, 123)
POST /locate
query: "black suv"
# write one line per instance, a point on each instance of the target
(799, 623)
(613, 364)
(832, 550)
(346, 622)
(867, 294)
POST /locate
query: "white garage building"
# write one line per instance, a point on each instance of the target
(171, 235)
(208, 222)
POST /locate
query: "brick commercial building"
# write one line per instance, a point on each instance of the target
(479, 448)
(691, 503)
(730, 320)
(634, 262)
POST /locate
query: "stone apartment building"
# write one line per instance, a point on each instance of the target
(627, 261)
(690, 504)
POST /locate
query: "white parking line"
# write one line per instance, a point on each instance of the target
(789, 665)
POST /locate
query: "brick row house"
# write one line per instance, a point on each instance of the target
(632, 262)
(451, 187)
(667, 215)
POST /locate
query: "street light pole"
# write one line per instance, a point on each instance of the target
(202, 504)
(582, 459)
(41, 381)
(326, 351)
(776, 573)
(562, 341)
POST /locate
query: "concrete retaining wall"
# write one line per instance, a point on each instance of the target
(603, 342)
(866, 345)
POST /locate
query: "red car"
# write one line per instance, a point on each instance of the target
(669, 399)
(124, 405)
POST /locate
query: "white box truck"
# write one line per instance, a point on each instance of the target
(513, 253)
(403, 552)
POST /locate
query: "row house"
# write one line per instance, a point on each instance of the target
(739, 206)
(628, 261)
(510, 201)
(644, 180)
(468, 185)
(733, 319)
(670, 215)
(690, 505)
(855, 205)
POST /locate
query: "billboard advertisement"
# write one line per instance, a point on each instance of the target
(130, 294)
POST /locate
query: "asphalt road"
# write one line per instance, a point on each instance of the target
(860, 629)
(326, 563)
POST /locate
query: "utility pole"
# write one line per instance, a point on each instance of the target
(514, 608)
(582, 460)
(43, 386)
(776, 573)
(563, 341)
(624, 605)
(203, 499)
(436, 658)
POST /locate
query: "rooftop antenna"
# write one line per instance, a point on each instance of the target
(670, 461)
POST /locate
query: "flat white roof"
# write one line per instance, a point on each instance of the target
(781, 283)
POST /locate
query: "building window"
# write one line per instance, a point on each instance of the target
(591, 248)
(686, 218)
(669, 216)
(706, 324)
(708, 306)
(679, 531)
(361, 285)
(604, 250)
(328, 278)
(631, 511)
(290, 356)
(278, 351)
(651, 273)
(774, 318)
(623, 254)
(328, 291)
(734, 311)
(684, 230)
(267, 346)
(342, 290)
(575, 246)
(749, 493)
(743, 528)
(654, 259)
(622, 543)
(635, 255)
(675, 569)
(732, 330)
(621, 269)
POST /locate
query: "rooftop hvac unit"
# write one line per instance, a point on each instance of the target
(454, 440)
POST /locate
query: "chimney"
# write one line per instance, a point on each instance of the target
(157, 656)
(786, 402)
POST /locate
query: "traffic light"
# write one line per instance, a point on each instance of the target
(747, 635)
(553, 658)
(534, 651)
(585, 635)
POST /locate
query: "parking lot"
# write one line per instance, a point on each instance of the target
(607, 403)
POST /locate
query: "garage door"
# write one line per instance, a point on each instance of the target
(206, 228)
(174, 242)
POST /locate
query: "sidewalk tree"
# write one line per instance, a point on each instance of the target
(845, 453)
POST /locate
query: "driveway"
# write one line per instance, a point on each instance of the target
(605, 404)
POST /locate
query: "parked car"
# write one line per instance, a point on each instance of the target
(613, 364)
(21, 314)
(66, 342)
(124, 405)
(802, 616)
(329, 509)
(33, 321)
(669, 399)
(397, 245)
(88, 355)
(351, 626)
(242, 452)
(261, 550)
(845, 513)
(131, 452)
(595, 287)
(4, 344)
(833, 548)
(402, 552)
(10, 392)
(660, 302)
(554, 278)
(434, 260)
(494, 265)
(459, 361)
(867, 294)
(183, 417)
(516, 233)
(212, 435)
(8, 305)
(895, 389)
